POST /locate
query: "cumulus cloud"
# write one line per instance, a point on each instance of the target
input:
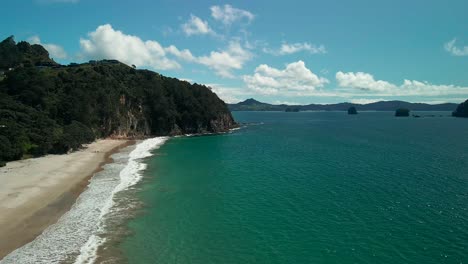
(287, 49)
(366, 82)
(55, 51)
(413, 87)
(229, 95)
(296, 78)
(228, 14)
(362, 81)
(196, 26)
(454, 50)
(224, 61)
(107, 43)
(185, 54)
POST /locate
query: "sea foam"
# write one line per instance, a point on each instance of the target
(78, 234)
(129, 176)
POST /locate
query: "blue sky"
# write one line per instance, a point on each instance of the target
(274, 51)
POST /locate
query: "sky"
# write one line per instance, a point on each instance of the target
(294, 52)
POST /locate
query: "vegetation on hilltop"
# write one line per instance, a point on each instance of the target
(22, 54)
(50, 108)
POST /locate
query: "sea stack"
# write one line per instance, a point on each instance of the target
(462, 110)
(352, 111)
(402, 112)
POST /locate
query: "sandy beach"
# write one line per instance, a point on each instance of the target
(34, 193)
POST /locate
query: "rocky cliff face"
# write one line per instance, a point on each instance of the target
(133, 123)
(223, 123)
(130, 122)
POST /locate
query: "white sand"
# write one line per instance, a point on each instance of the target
(34, 192)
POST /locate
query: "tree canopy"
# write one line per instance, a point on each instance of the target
(50, 108)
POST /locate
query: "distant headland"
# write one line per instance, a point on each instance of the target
(254, 105)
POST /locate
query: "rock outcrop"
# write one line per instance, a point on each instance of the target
(402, 112)
(462, 110)
(352, 111)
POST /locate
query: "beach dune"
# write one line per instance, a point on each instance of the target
(34, 193)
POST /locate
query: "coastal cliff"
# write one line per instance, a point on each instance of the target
(50, 108)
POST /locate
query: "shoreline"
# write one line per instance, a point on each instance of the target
(127, 177)
(35, 193)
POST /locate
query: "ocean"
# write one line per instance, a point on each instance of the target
(307, 187)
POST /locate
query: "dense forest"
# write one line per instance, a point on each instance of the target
(50, 108)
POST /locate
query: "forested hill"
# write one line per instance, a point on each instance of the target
(49, 108)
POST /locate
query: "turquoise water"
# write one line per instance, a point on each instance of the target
(309, 187)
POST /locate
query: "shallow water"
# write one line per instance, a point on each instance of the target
(78, 234)
(62, 241)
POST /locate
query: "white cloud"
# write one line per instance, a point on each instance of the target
(366, 100)
(450, 47)
(229, 95)
(181, 54)
(196, 26)
(287, 49)
(295, 78)
(365, 82)
(441, 100)
(278, 102)
(107, 43)
(362, 81)
(413, 87)
(224, 61)
(55, 51)
(228, 14)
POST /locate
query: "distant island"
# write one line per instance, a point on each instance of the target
(352, 111)
(47, 108)
(402, 112)
(292, 109)
(462, 110)
(254, 105)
